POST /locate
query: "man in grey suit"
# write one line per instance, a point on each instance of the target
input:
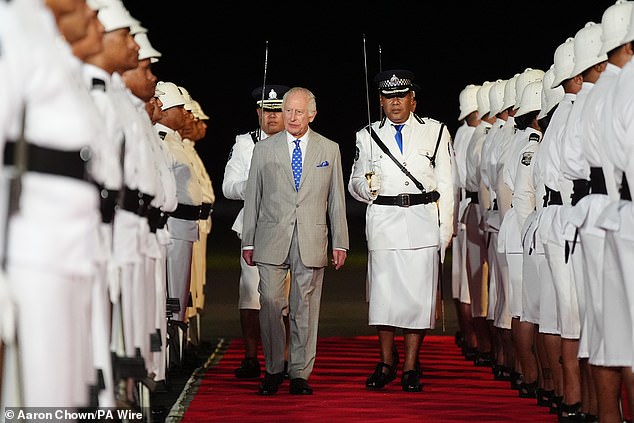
(295, 183)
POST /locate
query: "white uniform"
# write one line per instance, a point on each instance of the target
(199, 252)
(53, 242)
(614, 340)
(404, 241)
(476, 250)
(618, 218)
(459, 280)
(551, 226)
(183, 232)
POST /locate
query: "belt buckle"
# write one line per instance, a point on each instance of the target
(402, 200)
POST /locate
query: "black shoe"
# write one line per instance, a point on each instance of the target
(555, 403)
(410, 381)
(483, 359)
(271, 383)
(516, 379)
(570, 413)
(300, 386)
(249, 369)
(379, 379)
(469, 353)
(528, 390)
(544, 397)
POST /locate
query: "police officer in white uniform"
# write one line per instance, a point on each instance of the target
(460, 284)
(409, 221)
(269, 110)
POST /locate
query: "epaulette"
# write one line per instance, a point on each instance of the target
(98, 84)
(255, 135)
(162, 134)
(533, 137)
(365, 127)
(418, 118)
(433, 120)
(382, 122)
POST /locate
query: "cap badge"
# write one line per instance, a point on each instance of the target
(272, 94)
(394, 80)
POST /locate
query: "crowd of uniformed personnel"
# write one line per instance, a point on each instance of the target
(106, 212)
(543, 240)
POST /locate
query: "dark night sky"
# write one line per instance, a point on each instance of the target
(218, 55)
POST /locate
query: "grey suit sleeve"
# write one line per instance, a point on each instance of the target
(337, 206)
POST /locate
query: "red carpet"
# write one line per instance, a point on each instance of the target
(454, 390)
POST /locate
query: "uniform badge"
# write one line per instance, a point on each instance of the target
(527, 157)
(356, 154)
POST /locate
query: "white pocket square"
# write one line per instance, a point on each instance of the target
(323, 164)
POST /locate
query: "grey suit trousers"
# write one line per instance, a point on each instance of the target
(304, 301)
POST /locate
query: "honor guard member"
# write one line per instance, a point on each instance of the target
(403, 170)
(617, 219)
(182, 223)
(191, 133)
(460, 284)
(476, 251)
(110, 27)
(268, 102)
(597, 114)
(141, 82)
(53, 223)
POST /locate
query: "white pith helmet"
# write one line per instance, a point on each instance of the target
(531, 98)
(529, 75)
(482, 97)
(496, 97)
(468, 100)
(509, 92)
(115, 16)
(146, 51)
(588, 47)
(615, 23)
(550, 96)
(171, 96)
(564, 61)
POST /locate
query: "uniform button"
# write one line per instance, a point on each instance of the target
(404, 163)
(296, 206)
(406, 183)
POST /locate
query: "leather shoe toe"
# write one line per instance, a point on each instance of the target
(411, 381)
(300, 386)
(379, 378)
(271, 383)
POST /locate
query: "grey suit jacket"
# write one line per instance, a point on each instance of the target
(272, 207)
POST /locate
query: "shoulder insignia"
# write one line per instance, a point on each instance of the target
(356, 153)
(419, 119)
(486, 130)
(533, 137)
(255, 136)
(382, 122)
(162, 134)
(527, 157)
(230, 154)
(98, 84)
(433, 120)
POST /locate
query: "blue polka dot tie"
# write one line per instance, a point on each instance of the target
(296, 164)
(399, 136)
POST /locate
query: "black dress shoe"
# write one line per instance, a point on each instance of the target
(271, 383)
(249, 369)
(411, 381)
(379, 379)
(528, 390)
(300, 386)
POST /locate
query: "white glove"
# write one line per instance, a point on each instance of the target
(8, 310)
(374, 183)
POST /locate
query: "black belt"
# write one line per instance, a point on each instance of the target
(156, 218)
(597, 181)
(473, 195)
(552, 197)
(205, 210)
(186, 212)
(107, 203)
(580, 188)
(136, 201)
(625, 189)
(406, 200)
(69, 163)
